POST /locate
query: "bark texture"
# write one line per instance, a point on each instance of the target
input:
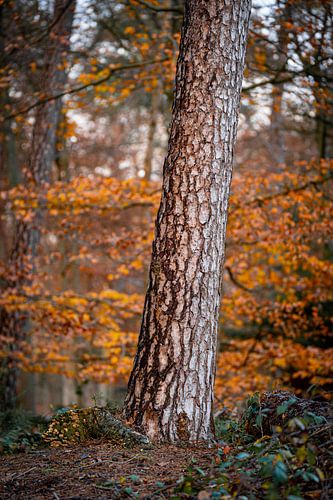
(13, 324)
(170, 392)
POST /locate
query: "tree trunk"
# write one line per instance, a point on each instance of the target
(148, 161)
(13, 325)
(170, 392)
(277, 135)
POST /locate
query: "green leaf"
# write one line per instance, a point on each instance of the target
(320, 474)
(281, 409)
(280, 472)
(134, 478)
(305, 476)
(128, 490)
(225, 465)
(313, 477)
(318, 419)
(311, 457)
(299, 423)
(106, 485)
(284, 406)
(242, 456)
(187, 487)
(302, 453)
(258, 420)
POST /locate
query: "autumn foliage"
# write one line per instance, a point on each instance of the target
(84, 297)
(276, 323)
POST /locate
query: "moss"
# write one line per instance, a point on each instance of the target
(76, 425)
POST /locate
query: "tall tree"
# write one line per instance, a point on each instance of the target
(40, 160)
(276, 139)
(170, 392)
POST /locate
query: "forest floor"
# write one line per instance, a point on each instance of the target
(281, 448)
(97, 470)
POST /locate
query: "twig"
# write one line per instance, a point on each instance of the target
(236, 282)
(49, 28)
(99, 462)
(318, 429)
(326, 444)
(155, 8)
(251, 349)
(23, 473)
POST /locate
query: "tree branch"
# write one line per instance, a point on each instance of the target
(83, 87)
(49, 28)
(261, 199)
(270, 81)
(236, 282)
(155, 8)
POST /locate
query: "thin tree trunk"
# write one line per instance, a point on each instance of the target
(10, 174)
(148, 161)
(277, 136)
(13, 325)
(170, 392)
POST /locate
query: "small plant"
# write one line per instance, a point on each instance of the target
(20, 431)
(286, 461)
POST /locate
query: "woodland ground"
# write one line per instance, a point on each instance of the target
(281, 447)
(96, 470)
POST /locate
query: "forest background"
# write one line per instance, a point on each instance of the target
(82, 294)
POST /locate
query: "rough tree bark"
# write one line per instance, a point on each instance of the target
(13, 325)
(170, 392)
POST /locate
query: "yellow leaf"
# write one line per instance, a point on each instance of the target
(129, 30)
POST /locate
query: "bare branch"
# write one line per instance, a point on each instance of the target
(261, 199)
(236, 282)
(155, 8)
(79, 88)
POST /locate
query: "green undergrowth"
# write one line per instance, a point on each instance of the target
(293, 462)
(21, 431)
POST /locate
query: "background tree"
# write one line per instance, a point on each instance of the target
(38, 169)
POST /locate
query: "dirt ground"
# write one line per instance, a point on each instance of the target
(96, 471)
